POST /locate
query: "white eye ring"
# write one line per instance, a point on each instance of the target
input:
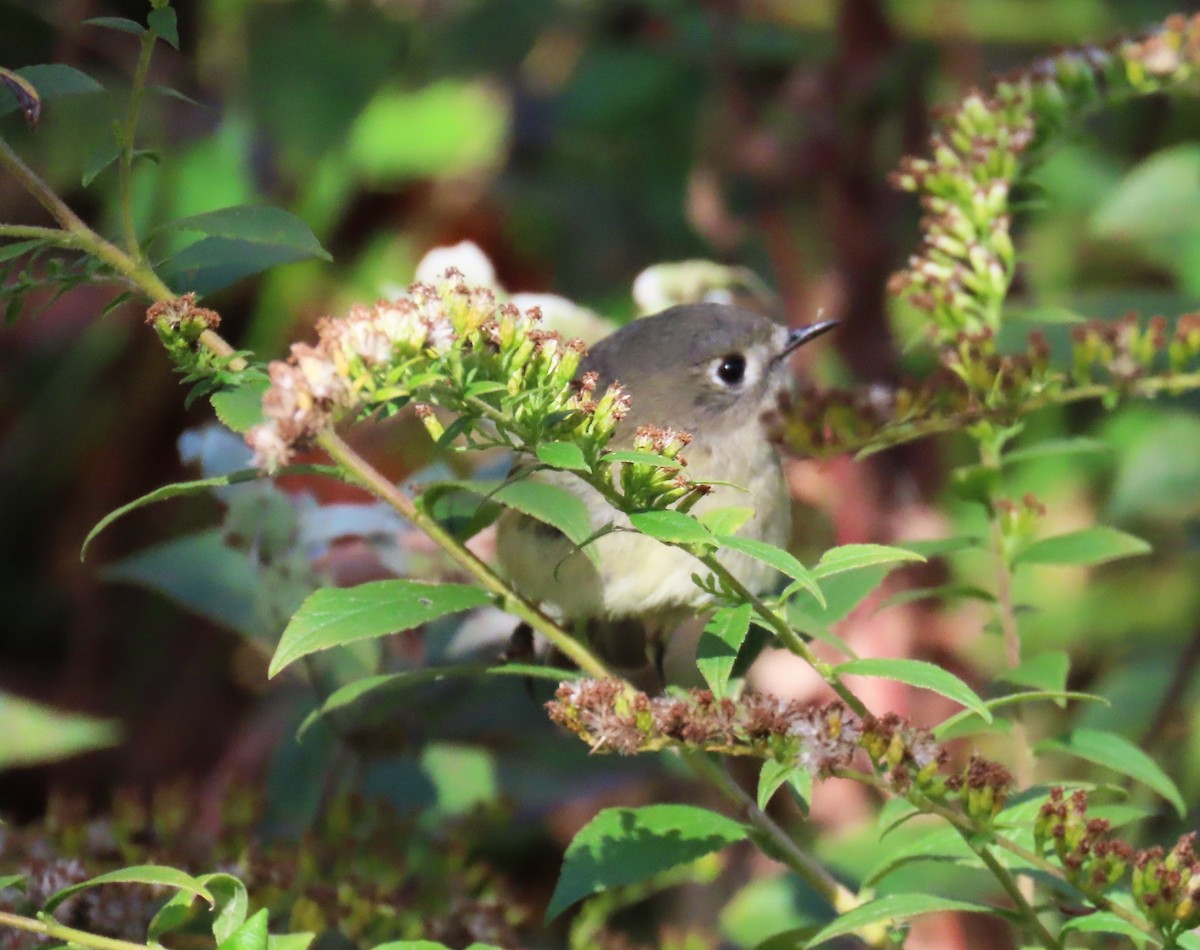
(729, 370)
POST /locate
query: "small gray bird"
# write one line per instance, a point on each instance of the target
(713, 371)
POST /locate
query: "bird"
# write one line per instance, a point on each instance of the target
(714, 371)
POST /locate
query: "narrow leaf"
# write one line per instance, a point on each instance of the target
(939, 547)
(164, 493)
(1119, 754)
(116, 23)
(140, 874)
(1047, 671)
(777, 558)
(1089, 546)
(775, 773)
(626, 845)
(566, 455)
(851, 557)
(921, 674)
(257, 224)
(940, 592)
(894, 907)
(719, 645)
(336, 616)
(639, 458)
(252, 935)
(671, 526)
(960, 723)
(34, 734)
(1103, 921)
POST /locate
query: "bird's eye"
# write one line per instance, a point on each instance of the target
(732, 369)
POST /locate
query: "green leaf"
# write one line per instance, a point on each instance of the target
(671, 526)
(1119, 754)
(1088, 546)
(240, 408)
(961, 723)
(725, 520)
(295, 941)
(940, 592)
(252, 935)
(413, 945)
(214, 263)
(100, 159)
(34, 734)
(232, 904)
(116, 23)
(166, 492)
(140, 874)
(851, 557)
(1055, 447)
(890, 909)
(775, 773)
(719, 644)
(11, 880)
(566, 455)
(626, 845)
(639, 458)
(258, 224)
(939, 547)
(17, 248)
(163, 22)
(1047, 671)
(921, 674)
(777, 558)
(241, 241)
(51, 80)
(336, 616)
(550, 504)
(1103, 921)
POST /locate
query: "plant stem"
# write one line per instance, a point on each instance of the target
(839, 897)
(1015, 893)
(128, 135)
(70, 935)
(368, 477)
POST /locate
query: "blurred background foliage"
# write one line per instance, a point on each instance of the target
(576, 143)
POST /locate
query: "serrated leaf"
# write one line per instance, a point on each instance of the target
(252, 935)
(162, 20)
(627, 845)
(1087, 547)
(566, 455)
(671, 526)
(140, 874)
(1054, 447)
(719, 644)
(336, 616)
(777, 558)
(116, 23)
(51, 80)
(918, 673)
(240, 408)
(894, 907)
(775, 773)
(166, 492)
(852, 557)
(1119, 754)
(958, 725)
(35, 734)
(725, 520)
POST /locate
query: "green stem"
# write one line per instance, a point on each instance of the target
(128, 135)
(368, 477)
(80, 938)
(1015, 893)
(839, 897)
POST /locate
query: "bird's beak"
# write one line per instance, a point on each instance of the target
(801, 335)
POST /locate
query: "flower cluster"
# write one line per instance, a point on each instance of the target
(1094, 863)
(964, 266)
(448, 344)
(1166, 886)
(976, 382)
(657, 481)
